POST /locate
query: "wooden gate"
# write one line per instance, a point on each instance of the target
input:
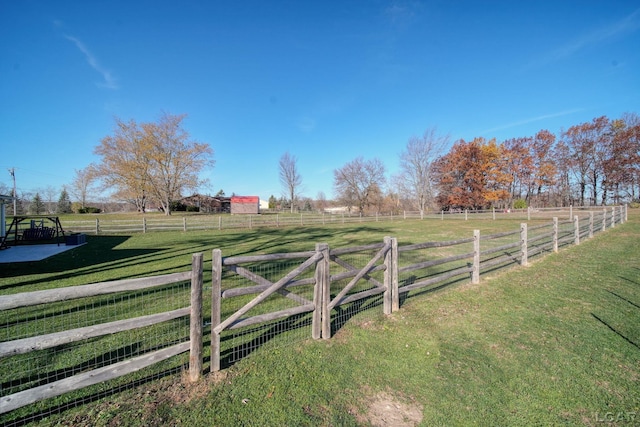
(322, 259)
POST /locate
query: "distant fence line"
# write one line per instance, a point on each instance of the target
(254, 299)
(104, 225)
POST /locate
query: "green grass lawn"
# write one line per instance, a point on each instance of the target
(555, 343)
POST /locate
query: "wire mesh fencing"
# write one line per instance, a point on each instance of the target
(240, 289)
(40, 348)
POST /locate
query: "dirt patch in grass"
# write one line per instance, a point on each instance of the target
(151, 404)
(384, 410)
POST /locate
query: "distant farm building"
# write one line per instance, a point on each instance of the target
(245, 205)
(206, 204)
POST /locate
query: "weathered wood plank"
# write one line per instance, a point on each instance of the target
(359, 295)
(353, 271)
(195, 327)
(429, 245)
(247, 290)
(354, 249)
(41, 342)
(540, 237)
(499, 235)
(321, 276)
(261, 318)
(216, 307)
(244, 259)
(504, 259)
(85, 379)
(435, 280)
(265, 294)
(264, 284)
(381, 253)
(433, 263)
(500, 248)
(26, 299)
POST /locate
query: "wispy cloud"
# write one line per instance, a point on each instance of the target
(626, 25)
(531, 120)
(109, 81)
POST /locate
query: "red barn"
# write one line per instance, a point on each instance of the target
(245, 204)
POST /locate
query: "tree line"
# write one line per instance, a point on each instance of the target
(591, 163)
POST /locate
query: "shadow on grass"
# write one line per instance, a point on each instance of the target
(616, 331)
(98, 255)
(266, 240)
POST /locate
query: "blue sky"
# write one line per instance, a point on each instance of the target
(326, 81)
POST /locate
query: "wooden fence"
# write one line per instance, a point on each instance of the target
(104, 225)
(111, 371)
(322, 281)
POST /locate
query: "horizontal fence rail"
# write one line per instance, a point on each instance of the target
(258, 298)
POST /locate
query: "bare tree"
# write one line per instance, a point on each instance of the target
(81, 184)
(416, 178)
(359, 181)
(48, 198)
(289, 177)
(321, 201)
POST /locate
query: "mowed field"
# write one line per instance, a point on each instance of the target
(554, 343)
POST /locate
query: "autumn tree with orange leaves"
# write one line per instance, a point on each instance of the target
(473, 175)
(591, 163)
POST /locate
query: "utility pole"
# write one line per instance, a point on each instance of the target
(12, 171)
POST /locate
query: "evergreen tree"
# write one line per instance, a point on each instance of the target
(37, 205)
(64, 203)
(273, 202)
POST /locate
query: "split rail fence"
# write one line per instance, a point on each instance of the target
(254, 299)
(104, 225)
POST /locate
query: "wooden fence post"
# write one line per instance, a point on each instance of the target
(325, 283)
(97, 226)
(524, 261)
(395, 295)
(591, 224)
(322, 275)
(387, 296)
(475, 273)
(570, 211)
(195, 340)
(613, 217)
(604, 219)
(144, 224)
(555, 234)
(529, 213)
(493, 212)
(184, 224)
(216, 297)
(576, 230)
(466, 214)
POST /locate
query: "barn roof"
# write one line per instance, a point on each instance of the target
(245, 199)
